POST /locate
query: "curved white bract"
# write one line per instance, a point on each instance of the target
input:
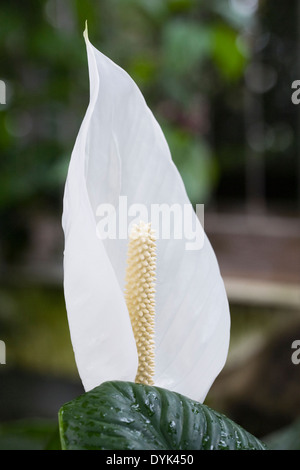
(121, 151)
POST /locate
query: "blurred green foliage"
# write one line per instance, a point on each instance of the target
(34, 323)
(177, 51)
(190, 58)
(30, 435)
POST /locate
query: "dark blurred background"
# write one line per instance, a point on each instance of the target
(218, 76)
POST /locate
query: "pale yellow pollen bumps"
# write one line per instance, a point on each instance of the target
(140, 297)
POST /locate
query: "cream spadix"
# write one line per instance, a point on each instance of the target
(140, 297)
(121, 151)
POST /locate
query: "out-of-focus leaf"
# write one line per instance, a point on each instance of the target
(185, 45)
(194, 160)
(230, 15)
(29, 435)
(181, 5)
(155, 9)
(285, 439)
(226, 54)
(142, 69)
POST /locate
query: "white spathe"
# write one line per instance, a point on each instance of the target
(121, 151)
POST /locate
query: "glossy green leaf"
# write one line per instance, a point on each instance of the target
(128, 416)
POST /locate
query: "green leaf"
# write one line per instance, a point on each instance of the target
(228, 57)
(193, 158)
(29, 435)
(185, 46)
(287, 438)
(128, 416)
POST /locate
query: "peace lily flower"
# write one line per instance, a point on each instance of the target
(177, 321)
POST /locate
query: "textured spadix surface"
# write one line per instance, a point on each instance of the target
(140, 297)
(121, 151)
